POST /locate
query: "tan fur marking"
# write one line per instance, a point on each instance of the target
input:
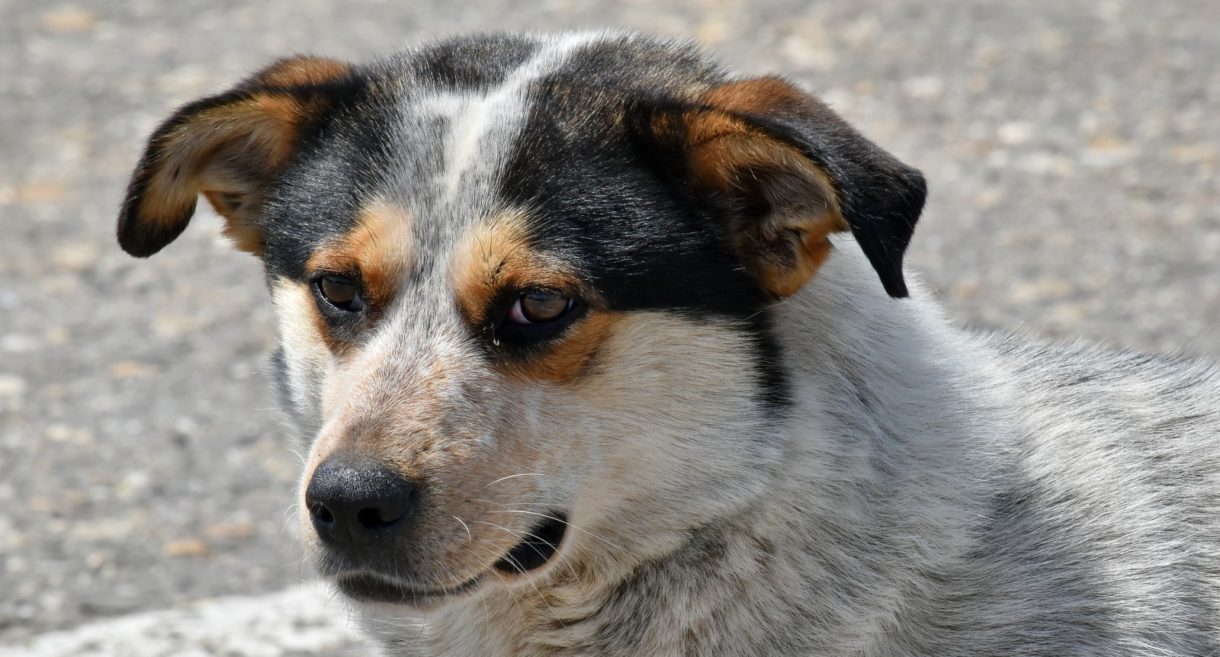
(784, 249)
(304, 70)
(727, 155)
(378, 249)
(227, 153)
(242, 231)
(497, 257)
(757, 96)
(569, 357)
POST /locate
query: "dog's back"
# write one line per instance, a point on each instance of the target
(1102, 535)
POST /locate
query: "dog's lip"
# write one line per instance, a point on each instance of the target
(367, 586)
(538, 548)
(371, 586)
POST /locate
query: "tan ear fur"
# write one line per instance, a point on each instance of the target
(228, 147)
(782, 207)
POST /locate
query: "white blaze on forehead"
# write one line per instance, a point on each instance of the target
(485, 125)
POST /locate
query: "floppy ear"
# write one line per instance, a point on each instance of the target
(787, 172)
(227, 147)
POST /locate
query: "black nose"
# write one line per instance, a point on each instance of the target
(355, 500)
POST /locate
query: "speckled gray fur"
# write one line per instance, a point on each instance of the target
(931, 492)
(920, 490)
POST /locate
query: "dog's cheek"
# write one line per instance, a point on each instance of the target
(545, 417)
(304, 362)
(675, 407)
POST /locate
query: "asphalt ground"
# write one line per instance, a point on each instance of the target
(1072, 149)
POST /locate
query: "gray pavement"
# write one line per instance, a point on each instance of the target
(1072, 148)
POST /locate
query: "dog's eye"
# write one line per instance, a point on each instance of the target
(537, 315)
(539, 307)
(340, 292)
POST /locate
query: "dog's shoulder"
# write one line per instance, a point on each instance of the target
(1150, 397)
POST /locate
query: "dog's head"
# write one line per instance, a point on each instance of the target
(523, 288)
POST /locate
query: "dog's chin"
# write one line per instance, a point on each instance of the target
(527, 558)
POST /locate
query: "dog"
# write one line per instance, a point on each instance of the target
(602, 351)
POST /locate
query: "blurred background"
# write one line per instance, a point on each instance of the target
(1072, 149)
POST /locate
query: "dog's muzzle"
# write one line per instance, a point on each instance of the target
(356, 502)
(364, 512)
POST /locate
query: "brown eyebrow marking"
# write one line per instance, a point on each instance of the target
(497, 256)
(379, 248)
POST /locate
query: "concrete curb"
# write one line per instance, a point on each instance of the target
(301, 621)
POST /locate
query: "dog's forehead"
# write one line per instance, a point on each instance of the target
(505, 142)
(456, 139)
(486, 123)
(441, 130)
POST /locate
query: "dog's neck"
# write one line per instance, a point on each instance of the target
(865, 508)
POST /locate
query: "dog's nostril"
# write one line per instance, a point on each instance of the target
(354, 499)
(321, 513)
(378, 518)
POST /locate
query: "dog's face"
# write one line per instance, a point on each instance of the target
(523, 289)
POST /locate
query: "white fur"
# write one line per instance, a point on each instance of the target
(484, 124)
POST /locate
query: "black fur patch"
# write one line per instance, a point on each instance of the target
(601, 200)
(599, 195)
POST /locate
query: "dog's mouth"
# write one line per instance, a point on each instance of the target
(370, 587)
(538, 547)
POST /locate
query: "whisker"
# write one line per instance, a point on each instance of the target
(523, 474)
(289, 515)
(295, 452)
(555, 519)
(566, 524)
(521, 537)
(517, 564)
(469, 536)
(502, 506)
